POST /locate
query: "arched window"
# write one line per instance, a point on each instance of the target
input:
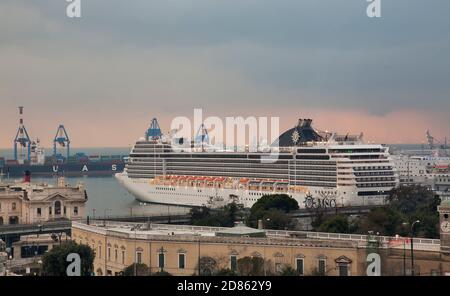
(14, 220)
(57, 207)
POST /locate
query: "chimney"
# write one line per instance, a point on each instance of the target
(27, 177)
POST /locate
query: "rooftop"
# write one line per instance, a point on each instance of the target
(41, 191)
(242, 235)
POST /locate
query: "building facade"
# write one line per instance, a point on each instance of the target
(24, 203)
(178, 250)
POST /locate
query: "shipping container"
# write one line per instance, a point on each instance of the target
(94, 158)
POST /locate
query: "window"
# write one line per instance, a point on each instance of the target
(13, 206)
(75, 210)
(65, 210)
(123, 257)
(139, 257)
(321, 268)
(299, 266)
(50, 210)
(116, 256)
(233, 263)
(0, 206)
(100, 252)
(161, 260)
(109, 253)
(39, 212)
(343, 270)
(181, 261)
(278, 267)
(58, 207)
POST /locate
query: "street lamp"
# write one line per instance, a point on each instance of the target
(412, 246)
(397, 237)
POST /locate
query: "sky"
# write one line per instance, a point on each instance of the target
(107, 74)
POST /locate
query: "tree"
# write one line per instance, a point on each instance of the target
(281, 202)
(222, 217)
(275, 219)
(334, 224)
(405, 205)
(54, 262)
(208, 266)
(384, 220)
(162, 273)
(316, 272)
(251, 266)
(136, 269)
(198, 214)
(417, 202)
(289, 271)
(226, 272)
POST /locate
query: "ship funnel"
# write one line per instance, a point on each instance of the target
(27, 177)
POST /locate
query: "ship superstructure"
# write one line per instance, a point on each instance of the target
(317, 169)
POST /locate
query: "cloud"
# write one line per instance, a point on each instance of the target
(124, 62)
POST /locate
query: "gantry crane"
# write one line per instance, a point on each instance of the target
(154, 132)
(61, 139)
(22, 140)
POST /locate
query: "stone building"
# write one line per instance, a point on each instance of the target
(178, 249)
(24, 203)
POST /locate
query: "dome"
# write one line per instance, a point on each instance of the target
(299, 134)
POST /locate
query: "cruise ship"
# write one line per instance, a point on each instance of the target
(317, 169)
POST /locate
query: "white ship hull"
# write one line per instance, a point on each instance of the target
(327, 170)
(315, 197)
